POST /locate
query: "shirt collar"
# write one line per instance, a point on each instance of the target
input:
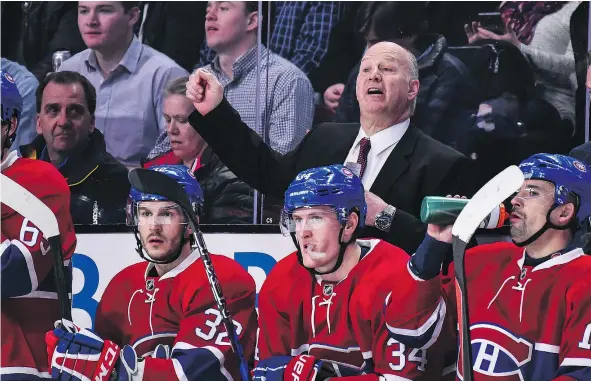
(385, 138)
(560, 259)
(244, 64)
(129, 61)
(45, 157)
(178, 269)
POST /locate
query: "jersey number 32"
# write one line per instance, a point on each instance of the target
(213, 323)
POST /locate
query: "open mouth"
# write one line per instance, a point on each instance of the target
(374, 91)
(308, 247)
(211, 29)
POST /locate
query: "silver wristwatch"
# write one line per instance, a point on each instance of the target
(385, 217)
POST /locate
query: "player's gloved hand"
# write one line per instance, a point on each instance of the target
(79, 354)
(307, 368)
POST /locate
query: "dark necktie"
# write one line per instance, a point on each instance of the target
(364, 147)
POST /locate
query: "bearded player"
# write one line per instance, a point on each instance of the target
(529, 300)
(158, 319)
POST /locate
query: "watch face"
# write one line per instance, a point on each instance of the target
(383, 221)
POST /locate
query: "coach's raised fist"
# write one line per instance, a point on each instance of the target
(204, 90)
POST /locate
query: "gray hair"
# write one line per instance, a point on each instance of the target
(413, 74)
(176, 87)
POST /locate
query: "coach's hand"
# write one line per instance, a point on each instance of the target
(374, 206)
(204, 90)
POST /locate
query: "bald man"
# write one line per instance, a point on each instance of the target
(398, 164)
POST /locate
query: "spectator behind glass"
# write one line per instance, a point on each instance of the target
(302, 32)
(26, 84)
(66, 102)
(170, 28)
(129, 78)
(227, 199)
(440, 73)
(33, 30)
(542, 31)
(286, 100)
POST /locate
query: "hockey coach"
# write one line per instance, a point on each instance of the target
(397, 163)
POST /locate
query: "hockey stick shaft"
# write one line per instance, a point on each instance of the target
(38, 213)
(218, 295)
(59, 272)
(459, 249)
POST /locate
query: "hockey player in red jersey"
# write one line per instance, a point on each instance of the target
(320, 308)
(162, 312)
(27, 276)
(529, 300)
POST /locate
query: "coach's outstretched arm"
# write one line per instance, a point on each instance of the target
(240, 148)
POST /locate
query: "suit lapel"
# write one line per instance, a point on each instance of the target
(337, 152)
(396, 163)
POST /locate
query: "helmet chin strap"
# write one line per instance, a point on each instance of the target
(340, 258)
(140, 249)
(8, 139)
(538, 234)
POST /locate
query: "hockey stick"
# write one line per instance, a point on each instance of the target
(147, 181)
(481, 205)
(29, 206)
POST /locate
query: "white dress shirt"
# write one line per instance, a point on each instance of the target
(382, 144)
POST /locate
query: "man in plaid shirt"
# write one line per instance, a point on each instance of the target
(286, 96)
(301, 32)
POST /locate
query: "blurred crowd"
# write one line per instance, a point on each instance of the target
(103, 85)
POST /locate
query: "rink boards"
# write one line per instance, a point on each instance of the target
(100, 256)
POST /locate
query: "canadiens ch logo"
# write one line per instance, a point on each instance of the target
(580, 166)
(327, 289)
(8, 77)
(347, 172)
(497, 352)
(150, 284)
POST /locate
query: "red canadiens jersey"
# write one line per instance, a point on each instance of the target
(179, 310)
(341, 322)
(27, 278)
(526, 323)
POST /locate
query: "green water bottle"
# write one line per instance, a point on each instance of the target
(444, 211)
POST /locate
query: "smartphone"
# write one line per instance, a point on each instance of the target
(492, 21)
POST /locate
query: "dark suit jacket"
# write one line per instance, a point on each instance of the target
(417, 167)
